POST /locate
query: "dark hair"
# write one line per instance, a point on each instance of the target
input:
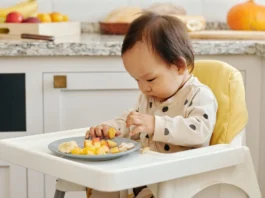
(166, 35)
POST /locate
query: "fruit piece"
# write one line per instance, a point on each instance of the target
(65, 18)
(145, 150)
(112, 143)
(89, 151)
(44, 18)
(97, 145)
(111, 133)
(100, 151)
(66, 147)
(105, 148)
(14, 17)
(27, 8)
(88, 143)
(103, 142)
(76, 151)
(31, 20)
(246, 16)
(94, 140)
(114, 150)
(57, 17)
(125, 146)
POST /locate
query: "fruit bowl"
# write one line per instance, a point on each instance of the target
(114, 28)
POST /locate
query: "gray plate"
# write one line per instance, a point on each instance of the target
(53, 146)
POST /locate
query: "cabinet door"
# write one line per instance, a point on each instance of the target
(77, 100)
(17, 117)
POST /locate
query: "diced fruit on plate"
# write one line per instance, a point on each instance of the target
(105, 148)
(96, 146)
(67, 147)
(76, 151)
(95, 140)
(104, 142)
(114, 150)
(88, 143)
(89, 151)
(112, 143)
(100, 151)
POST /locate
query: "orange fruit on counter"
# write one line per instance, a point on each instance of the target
(247, 16)
(57, 17)
(44, 18)
(65, 18)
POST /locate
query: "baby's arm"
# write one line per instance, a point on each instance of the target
(195, 130)
(119, 123)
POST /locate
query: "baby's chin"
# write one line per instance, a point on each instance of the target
(160, 99)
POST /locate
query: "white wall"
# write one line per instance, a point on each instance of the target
(94, 10)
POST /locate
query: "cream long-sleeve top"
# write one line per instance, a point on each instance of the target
(184, 121)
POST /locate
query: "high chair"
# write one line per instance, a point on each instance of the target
(238, 181)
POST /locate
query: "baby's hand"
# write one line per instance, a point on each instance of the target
(100, 131)
(143, 122)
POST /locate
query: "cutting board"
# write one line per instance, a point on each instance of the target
(228, 35)
(60, 29)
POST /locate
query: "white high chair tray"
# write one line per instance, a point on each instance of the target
(130, 171)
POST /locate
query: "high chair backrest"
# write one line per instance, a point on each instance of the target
(227, 84)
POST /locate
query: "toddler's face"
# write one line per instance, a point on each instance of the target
(154, 76)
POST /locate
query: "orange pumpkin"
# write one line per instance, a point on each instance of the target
(246, 16)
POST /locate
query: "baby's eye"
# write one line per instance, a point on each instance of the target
(150, 80)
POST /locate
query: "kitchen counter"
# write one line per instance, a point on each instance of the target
(103, 45)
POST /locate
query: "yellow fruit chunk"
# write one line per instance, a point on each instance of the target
(88, 143)
(89, 151)
(103, 142)
(105, 148)
(114, 150)
(111, 133)
(112, 143)
(100, 151)
(97, 145)
(76, 151)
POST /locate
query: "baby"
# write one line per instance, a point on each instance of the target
(175, 111)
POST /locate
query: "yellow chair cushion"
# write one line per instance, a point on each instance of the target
(227, 84)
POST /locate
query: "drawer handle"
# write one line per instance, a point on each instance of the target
(59, 81)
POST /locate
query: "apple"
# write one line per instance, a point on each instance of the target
(31, 20)
(14, 17)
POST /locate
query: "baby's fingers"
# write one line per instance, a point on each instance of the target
(137, 129)
(133, 120)
(99, 131)
(90, 132)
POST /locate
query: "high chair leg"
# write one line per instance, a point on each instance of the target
(59, 194)
(88, 192)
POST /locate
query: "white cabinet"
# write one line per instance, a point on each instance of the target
(87, 99)
(16, 87)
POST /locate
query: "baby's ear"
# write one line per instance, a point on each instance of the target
(181, 65)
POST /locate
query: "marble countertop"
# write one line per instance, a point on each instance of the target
(103, 45)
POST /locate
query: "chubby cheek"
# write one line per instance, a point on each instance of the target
(168, 88)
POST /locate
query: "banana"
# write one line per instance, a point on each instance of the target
(66, 147)
(2, 19)
(26, 8)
